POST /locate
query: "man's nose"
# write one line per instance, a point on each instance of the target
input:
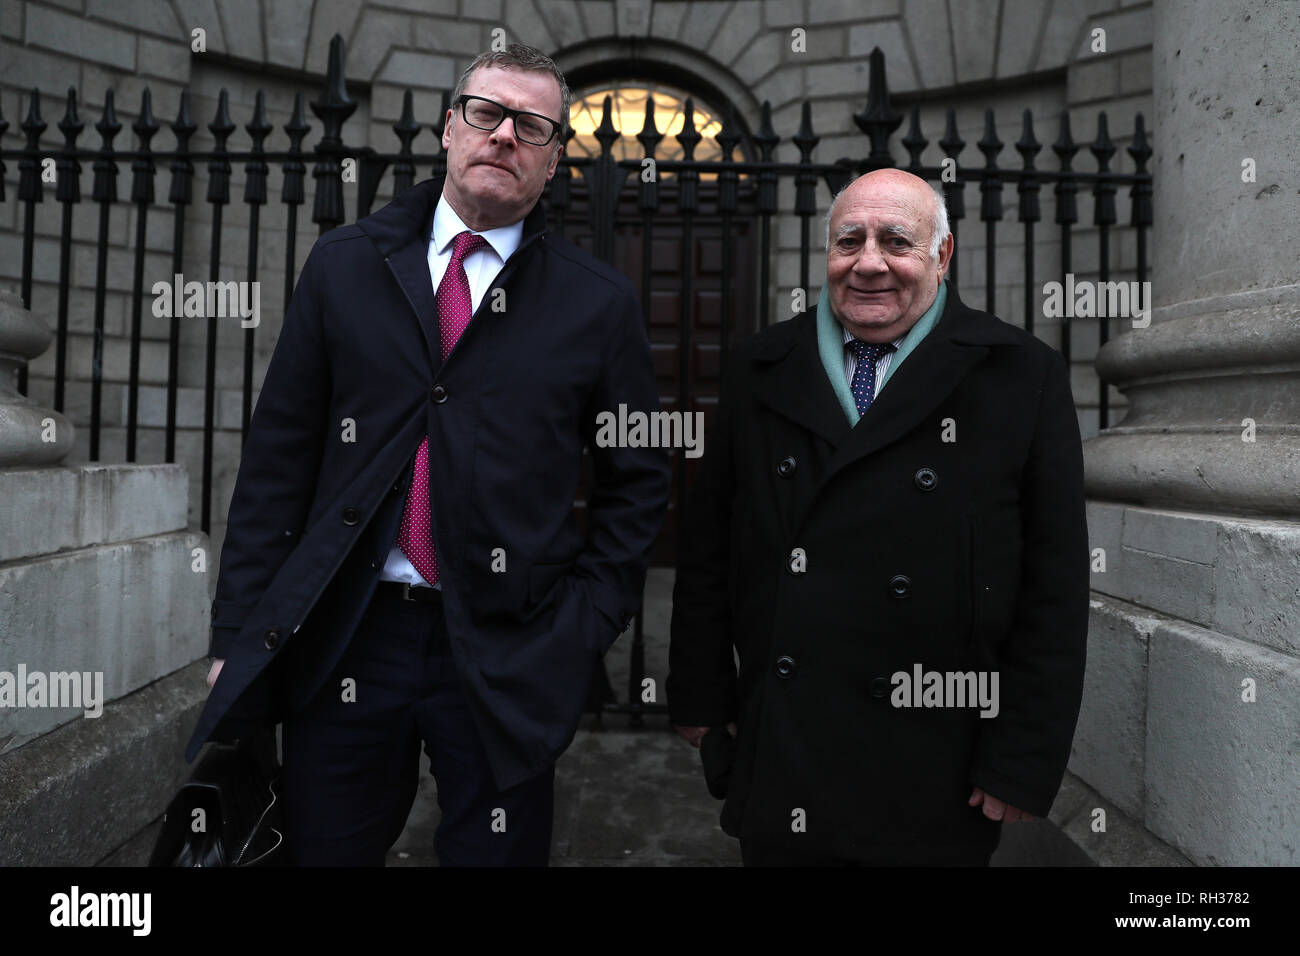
(500, 132)
(869, 260)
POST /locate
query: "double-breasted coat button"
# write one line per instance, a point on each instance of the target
(900, 586)
(272, 640)
(926, 479)
(351, 515)
(785, 667)
(786, 466)
(798, 562)
(880, 687)
(439, 394)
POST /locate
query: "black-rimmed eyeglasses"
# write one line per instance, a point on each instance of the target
(483, 113)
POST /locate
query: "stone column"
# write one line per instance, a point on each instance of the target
(1224, 342)
(1193, 689)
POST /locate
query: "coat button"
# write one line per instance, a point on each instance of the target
(439, 394)
(880, 687)
(926, 479)
(785, 667)
(272, 639)
(900, 586)
(374, 565)
(798, 563)
(351, 515)
(785, 468)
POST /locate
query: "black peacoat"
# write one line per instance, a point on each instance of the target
(354, 385)
(832, 557)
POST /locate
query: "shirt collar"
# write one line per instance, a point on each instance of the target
(922, 325)
(848, 338)
(447, 225)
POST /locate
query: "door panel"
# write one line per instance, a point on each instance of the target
(665, 309)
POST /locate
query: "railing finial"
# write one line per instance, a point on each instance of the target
(879, 119)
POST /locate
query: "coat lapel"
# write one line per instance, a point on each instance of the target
(960, 340)
(410, 266)
(401, 231)
(791, 381)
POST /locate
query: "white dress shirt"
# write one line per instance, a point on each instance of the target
(481, 268)
(882, 363)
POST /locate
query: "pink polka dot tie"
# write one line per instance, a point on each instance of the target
(454, 312)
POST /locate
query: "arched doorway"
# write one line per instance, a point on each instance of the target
(692, 385)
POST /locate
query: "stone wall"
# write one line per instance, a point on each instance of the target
(103, 610)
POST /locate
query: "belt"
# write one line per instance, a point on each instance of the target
(408, 592)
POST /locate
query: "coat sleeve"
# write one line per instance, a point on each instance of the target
(279, 464)
(1021, 754)
(629, 489)
(702, 672)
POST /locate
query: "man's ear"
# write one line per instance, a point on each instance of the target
(555, 160)
(945, 254)
(446, 128)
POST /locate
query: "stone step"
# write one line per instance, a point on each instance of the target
(74, 795)
(1174, 718)
(47, 510)
(132, 610)
(151, 445)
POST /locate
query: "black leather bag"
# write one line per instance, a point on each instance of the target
(237, 788)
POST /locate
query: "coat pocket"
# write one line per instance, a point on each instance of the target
(542, 579)
(498, 594)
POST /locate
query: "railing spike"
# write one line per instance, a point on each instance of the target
(914, 142)
(142, 168)
(649, 137)
(605, 133)
(878, 118)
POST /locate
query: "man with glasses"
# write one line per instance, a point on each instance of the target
(402, 565)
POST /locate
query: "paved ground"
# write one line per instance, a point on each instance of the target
(635, 796)
(623, 796)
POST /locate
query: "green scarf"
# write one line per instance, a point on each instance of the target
(830, 344)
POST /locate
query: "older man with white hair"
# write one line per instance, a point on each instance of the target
(888, 533)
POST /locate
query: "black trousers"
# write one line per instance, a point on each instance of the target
(351, 757)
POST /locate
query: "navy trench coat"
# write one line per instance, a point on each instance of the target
(531, 602)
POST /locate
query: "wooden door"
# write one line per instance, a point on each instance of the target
(708, 276)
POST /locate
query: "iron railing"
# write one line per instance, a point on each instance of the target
(745, 187)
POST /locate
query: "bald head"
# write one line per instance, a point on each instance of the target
(903, 180)
(887, 249)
